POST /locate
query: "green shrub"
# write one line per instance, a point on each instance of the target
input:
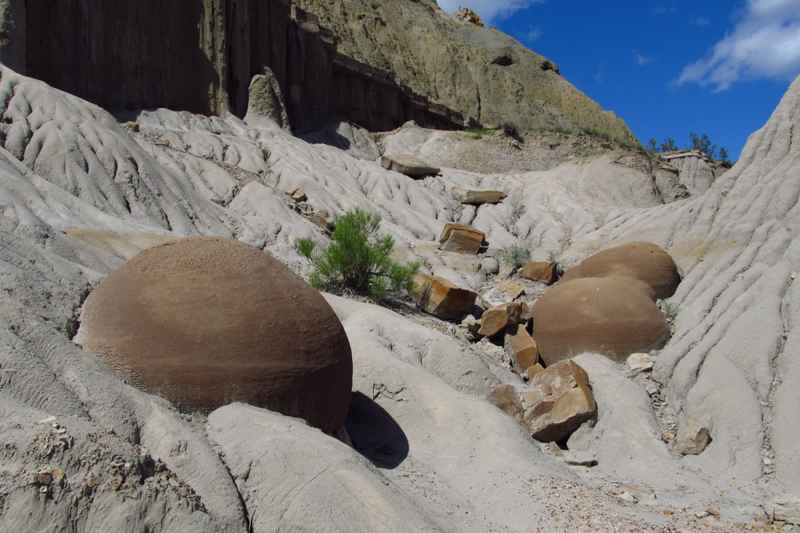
(515, 256)
(358, 259)
(305, 247)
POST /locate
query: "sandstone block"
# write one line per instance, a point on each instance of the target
(408, 165)
(558, 402)
(542, 271)
(442, 298)
(461, 238)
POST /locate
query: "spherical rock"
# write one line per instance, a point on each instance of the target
(205, 322)
(644, 261)
(613, 316)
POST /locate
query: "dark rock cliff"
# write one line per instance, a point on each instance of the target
(199, 56)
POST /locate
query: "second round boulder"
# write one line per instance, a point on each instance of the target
(614, 316)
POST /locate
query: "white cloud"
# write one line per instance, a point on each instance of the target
(489, 9)
(765, 43)
(534, 33)
(641, 59)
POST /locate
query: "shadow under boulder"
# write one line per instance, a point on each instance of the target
(375, 434)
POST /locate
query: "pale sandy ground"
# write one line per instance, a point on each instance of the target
(80, 193)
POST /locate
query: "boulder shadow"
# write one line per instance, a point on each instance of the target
(375, 434)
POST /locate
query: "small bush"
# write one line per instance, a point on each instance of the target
(515, 256)
(358, 259)
(306, 247)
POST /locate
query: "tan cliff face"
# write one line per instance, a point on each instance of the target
(480, 72)
(374, 65)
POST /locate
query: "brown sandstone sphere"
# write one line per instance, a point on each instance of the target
(205, 322)
(644, 261)
(612, 316)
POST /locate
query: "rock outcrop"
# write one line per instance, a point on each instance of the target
(201, 57)
(205, 322)
(613, 316)
(647, 262)
(479, 73)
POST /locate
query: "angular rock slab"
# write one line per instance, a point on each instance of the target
(644, 261)
(462, 239)
(611, 316)
(497, 319)
(205, 322)
(542, 271)
(441, 298)
(522, 349)
(482, 197)
(409, 165)
(560, 399)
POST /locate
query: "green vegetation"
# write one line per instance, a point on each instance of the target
(479, 133)
(515, 256)
(358, 259)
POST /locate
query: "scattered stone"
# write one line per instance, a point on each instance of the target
(786, 510)
(627, 497)
(506, 398)
(651, 388)
(462, 239)
(560, 399)
(522, 349)
(482, 197)
(145, 320)
(298, 194)
(693, 438)
(640, 362)
(497, 319)
(441, 298)
(579, 458)
(511, 289)
(409, 165)
(611, 316)
(490, 266)
(542, 271)
(532, 371)
(649, 263)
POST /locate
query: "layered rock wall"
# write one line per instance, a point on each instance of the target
(199, 56)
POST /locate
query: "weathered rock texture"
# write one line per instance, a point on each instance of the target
(200, 56)
(647, 262)
(484, 75)
(614, 316)
(205, 322)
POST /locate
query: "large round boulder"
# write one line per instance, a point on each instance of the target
(644, 261)
(205, 322)
(613, 316)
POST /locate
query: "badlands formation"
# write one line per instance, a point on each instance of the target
(156, 375)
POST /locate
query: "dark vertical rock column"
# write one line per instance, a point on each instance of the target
(12, 34)
(130, 55)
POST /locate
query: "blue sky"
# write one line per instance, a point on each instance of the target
(667, 67)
